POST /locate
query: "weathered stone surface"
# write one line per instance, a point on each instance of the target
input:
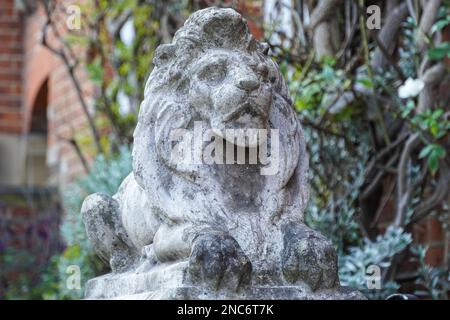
(207, 229)
(166, 282)
(310, 257)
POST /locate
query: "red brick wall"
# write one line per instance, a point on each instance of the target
(66, 118)
(25, 64)
(253, 12)
(11, 65)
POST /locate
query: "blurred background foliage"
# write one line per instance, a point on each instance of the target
(374, 105)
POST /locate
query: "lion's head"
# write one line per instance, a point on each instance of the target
(214, 71)
(231, 90)
(219, 70)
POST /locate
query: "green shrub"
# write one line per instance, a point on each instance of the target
(105, 176)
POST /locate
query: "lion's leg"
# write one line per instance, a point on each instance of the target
(101, 217)
(215, 258)
(309, 257)
(170, 244)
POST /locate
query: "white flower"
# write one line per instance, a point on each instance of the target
(127, 33)
(411, 88)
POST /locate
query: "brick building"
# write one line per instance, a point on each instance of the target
(39, 109)
(39, 113)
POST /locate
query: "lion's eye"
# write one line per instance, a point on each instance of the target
(262, 70)
(213, 73)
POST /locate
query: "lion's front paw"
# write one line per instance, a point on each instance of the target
(308, 256)
(218, 261)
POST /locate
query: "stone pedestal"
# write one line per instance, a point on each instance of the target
(167, 282)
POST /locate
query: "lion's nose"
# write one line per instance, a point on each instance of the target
(248, 84)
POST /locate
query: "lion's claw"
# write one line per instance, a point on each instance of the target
(308, 256)
(217, 261)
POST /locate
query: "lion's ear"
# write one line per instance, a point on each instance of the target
(284, 118)
(264, 47)
(163, 54)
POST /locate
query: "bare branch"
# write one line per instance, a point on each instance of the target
(71, 70)
(389, 58)
(432, 78)
(370, 189)
(78, 151)
(440, 193)
(323, 12)
(426, 22)
(388, 33)
(403, 189)
(321, 27)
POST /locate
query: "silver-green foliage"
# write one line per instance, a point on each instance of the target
(353, 267)
(436, 280)
(105, 176)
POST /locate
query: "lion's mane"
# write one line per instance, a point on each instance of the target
(165, 107)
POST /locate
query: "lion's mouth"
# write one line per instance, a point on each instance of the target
(249, 108)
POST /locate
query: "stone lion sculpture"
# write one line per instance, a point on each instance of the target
(211, 230)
